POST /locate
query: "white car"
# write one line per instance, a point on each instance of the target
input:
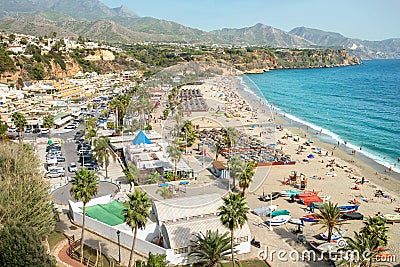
(45, 130)
(55, 173)
(72, 167)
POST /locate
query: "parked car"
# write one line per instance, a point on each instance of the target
(45, 131)
(78, 135)
(83, 145)
(72, 167)
(36, 130)
(60, 159)
(84, 152)
(28, 130)
(70, 126)
(55, 173)
(51, 160)
(53, 153)
(85, 158)
(92, 166)
(53, 148)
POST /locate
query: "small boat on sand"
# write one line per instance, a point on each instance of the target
(290, 193)
(265, 210)
(269, 197)
(348, 209)
(325, 247)
(391, 218)
(278, 220)
(307, 194)
(296, 221)
(353, 216)
(335, 235)
(280, 212)
(310, 218)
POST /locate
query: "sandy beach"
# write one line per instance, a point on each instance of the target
(338, 180)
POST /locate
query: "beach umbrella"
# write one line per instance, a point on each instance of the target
(311, 156)
(310, 141)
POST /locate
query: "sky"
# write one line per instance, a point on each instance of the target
(362, 19)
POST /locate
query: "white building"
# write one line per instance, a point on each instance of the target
(150, 156)
(175, 223)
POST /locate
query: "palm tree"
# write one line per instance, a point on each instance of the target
(217, 149)
(20, 122)
(84, 187)
(247, 176)
(154, 177)
(90, 132)
(176, 154)
(233, 215)
(164, 192)
(329, 216)
(143, 105)
(136, 212)
(157, 260)
(377, 229)
(230, 137)
(211, 248)
(3, 130)
(236, 167)
(366, 248)
(131, 174)
(188, 133)
(48, 122)
(103, 151)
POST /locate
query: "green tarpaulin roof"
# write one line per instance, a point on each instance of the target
(107, 213)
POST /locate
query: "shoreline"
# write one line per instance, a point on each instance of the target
(328, 140)
(327, 136)
(333, 173)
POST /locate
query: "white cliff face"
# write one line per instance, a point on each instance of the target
(353, 47)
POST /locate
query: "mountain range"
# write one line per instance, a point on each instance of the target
(94, 20)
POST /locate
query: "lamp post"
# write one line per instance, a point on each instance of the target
(270, 213)
(119, 247)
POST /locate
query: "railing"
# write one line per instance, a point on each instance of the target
(73, 246)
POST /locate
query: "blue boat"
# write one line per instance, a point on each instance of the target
(348, 209)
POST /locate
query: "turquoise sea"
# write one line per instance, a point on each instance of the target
(356, 104)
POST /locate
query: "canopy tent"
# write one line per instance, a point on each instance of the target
(141, 138)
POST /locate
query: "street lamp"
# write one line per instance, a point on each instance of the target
(270, 212)
(119, 247)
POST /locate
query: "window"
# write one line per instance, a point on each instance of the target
(181, 250)
(241, 239)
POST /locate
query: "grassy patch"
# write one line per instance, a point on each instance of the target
(54, 238)
(91, 254)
